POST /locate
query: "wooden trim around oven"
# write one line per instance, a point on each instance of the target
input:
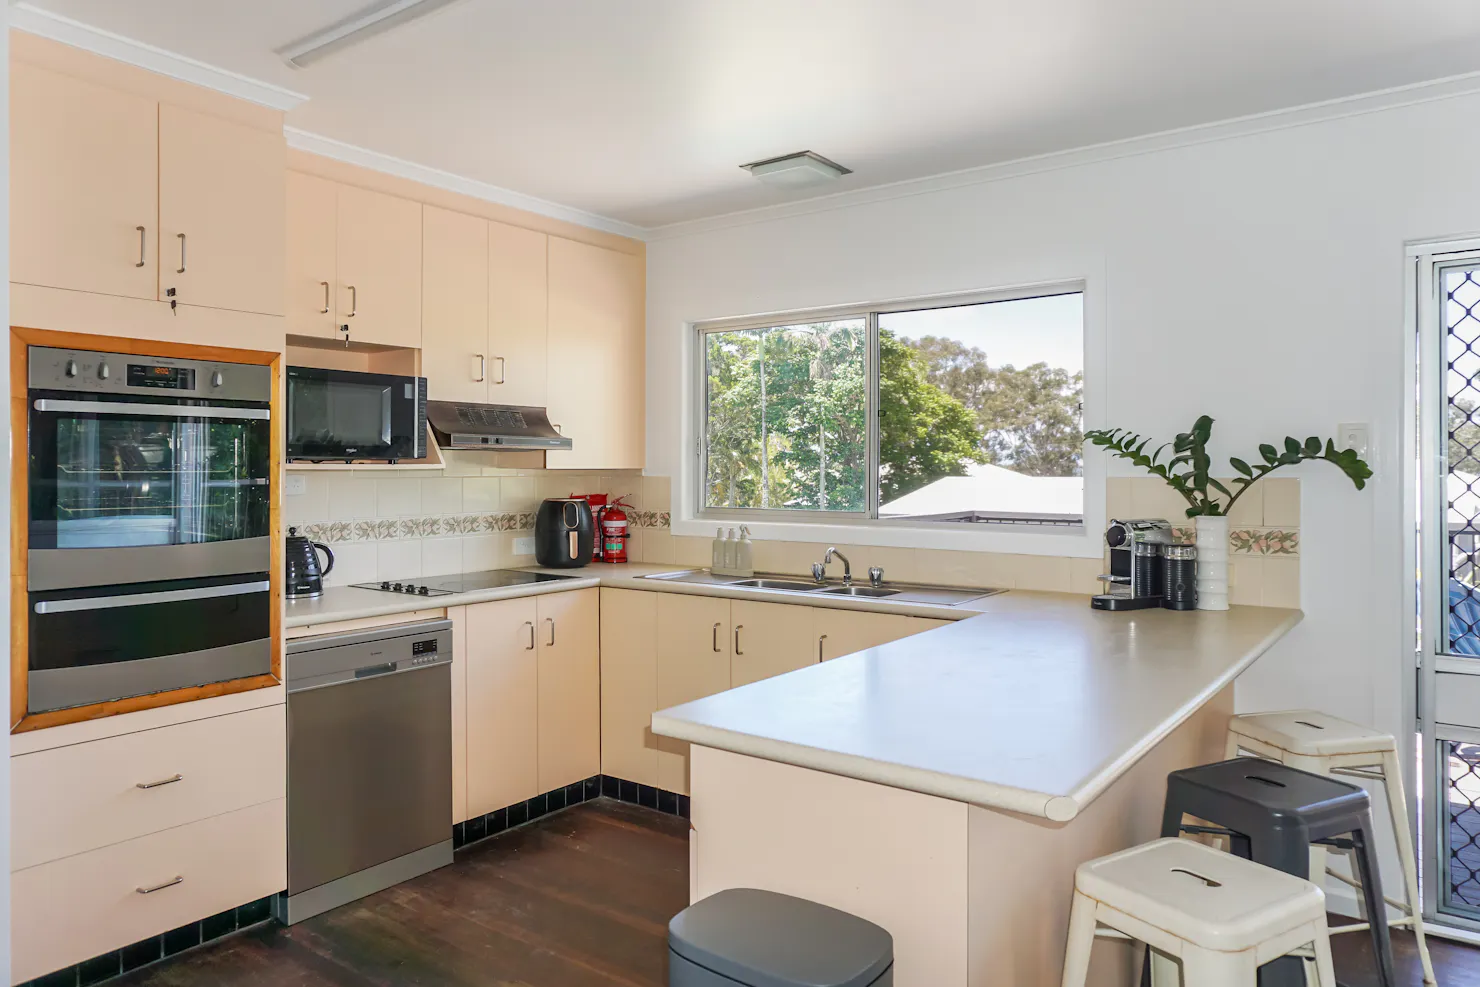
(20, 338)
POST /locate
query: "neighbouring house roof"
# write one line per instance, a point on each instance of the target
(993, 489)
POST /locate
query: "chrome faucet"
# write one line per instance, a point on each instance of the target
(819, 569)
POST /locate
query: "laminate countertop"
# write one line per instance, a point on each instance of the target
(1034, 705)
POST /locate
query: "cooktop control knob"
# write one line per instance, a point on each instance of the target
(216, 378)
(103, 371)
(396, 587)
(70, 369)
(386, 584)
(424, 591)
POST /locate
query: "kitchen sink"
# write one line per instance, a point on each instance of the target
(780, 582)
(795, 587)
(868, 591)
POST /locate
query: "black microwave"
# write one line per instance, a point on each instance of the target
(344, 415)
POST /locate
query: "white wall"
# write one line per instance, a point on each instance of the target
(1255, 274)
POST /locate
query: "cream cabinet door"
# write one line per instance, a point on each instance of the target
(569, 687)
(502, 704)
(768, 639)
(379, 257)
(459, 618)
(518, 290)
(596, 383)
(842, 632)
(84, 185)
(221, 212)
(454, 305)
(629, 684)
(310, 258)
(693, 662)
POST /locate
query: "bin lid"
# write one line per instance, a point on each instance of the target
(764, 939)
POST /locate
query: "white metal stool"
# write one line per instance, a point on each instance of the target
(1220, 915)
(1326, 745)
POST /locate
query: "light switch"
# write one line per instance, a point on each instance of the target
(523, 546)
(1354, 436)
(296, 485)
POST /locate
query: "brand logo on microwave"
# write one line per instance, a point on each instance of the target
(351, 448)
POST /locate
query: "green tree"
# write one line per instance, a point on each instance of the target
(924, 432)
(1030, 419)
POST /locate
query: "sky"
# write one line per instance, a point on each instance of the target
(1018, 332)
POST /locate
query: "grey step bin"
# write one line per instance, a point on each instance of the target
(744, 937)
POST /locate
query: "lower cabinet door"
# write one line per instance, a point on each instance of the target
(693, 662)
(768, 639)
(842, 632)
(502, 687)
(75, 908)
(569, 687)
(629, 684)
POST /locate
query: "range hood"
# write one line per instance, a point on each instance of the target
(492, 426)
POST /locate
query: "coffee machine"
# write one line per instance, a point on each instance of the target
(1134, 579)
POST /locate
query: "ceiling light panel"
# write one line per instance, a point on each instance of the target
(376, 19)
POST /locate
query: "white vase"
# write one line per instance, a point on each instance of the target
(1212, 563)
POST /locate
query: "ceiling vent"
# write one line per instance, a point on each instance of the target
(376, 19)
(797, 170)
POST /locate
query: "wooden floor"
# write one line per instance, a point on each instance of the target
(579, 898)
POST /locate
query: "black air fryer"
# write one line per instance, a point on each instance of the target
(564, 534)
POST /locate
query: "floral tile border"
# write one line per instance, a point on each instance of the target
(649, 519)
(1248, 541)
(388, 529)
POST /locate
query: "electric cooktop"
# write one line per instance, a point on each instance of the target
(467, 582)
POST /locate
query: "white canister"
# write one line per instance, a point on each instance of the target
(1212, 562)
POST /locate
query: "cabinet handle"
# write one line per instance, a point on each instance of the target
(141, 246)
(530, 625)
(819, 646)
(738, 629)
(354, 302)
(716, 639)
(325, 309)
(500, 370)
(160, 887)
(181, 268)
(163, 781)
(551, 622)
(482, 368)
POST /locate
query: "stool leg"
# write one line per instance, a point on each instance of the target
(1205, 968)
(1325, 969)
(1398, 804)
(1371, 878)
(1081, 941)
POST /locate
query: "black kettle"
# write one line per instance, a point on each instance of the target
(305, 579)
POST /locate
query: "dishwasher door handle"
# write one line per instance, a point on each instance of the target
(364, 673)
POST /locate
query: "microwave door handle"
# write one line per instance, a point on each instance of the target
(156, 410)
(143, 599)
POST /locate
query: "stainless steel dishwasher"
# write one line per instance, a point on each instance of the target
(369, 763)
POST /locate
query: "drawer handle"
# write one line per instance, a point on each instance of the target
(163, 781)
(161, 887)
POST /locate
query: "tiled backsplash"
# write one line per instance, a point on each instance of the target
(389, 523)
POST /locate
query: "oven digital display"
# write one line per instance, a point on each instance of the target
(175, 378)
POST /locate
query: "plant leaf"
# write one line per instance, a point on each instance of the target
(1241, 466)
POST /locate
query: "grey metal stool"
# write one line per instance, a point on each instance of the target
(1272, 814)
(744, 937)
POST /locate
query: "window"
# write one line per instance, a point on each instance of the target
(966, 413)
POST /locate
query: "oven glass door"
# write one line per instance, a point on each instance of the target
(133, 482)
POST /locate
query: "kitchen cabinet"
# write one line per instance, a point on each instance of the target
(569, 687)
(769, 639)
(311, 257)
(693, 661)
(454, 305)
(629, 684)
(378, 255)
(842, 632)
(596, 374)
(502, 716)
(221, 212)
(518, 290)
(459, 618)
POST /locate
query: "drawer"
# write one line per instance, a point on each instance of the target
(72, 799)
(72, 909)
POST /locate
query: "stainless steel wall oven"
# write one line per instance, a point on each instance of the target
(149, 541)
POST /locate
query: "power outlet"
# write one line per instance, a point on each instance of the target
(1355, 436)
(523, 546)
(296, 485)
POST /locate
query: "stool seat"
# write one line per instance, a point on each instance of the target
(1200, 895)
(1310, 733)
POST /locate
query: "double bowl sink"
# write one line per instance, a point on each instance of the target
(945, 596)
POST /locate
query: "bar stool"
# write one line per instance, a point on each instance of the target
(1325, 745)
(1273, 813)
(1223, 917)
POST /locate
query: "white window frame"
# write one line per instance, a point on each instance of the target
(1082, 540)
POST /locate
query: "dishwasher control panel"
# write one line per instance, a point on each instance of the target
(424, 647)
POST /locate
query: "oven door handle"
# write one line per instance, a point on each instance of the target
(143, 599)
(161, 410)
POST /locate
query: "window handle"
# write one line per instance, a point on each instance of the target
(738, 629)
(141, 246)
(325, 309)
(181, 268)
(551, 622)
(530, 625)
(819, 646)
(716, 638)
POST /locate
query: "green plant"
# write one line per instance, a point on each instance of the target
(1187, 471)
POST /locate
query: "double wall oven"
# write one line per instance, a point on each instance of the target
(149, 495)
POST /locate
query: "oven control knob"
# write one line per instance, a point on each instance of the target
(103, 371)
(216, 379)
(70, 369)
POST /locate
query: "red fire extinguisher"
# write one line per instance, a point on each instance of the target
(614, 532)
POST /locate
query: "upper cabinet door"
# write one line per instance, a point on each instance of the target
(221, 212)
(518, 290)
(83, 185)
(596, 379)
(454, 306)
(379, 253)
(311, 264)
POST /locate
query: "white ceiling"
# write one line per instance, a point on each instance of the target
(641, 110)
